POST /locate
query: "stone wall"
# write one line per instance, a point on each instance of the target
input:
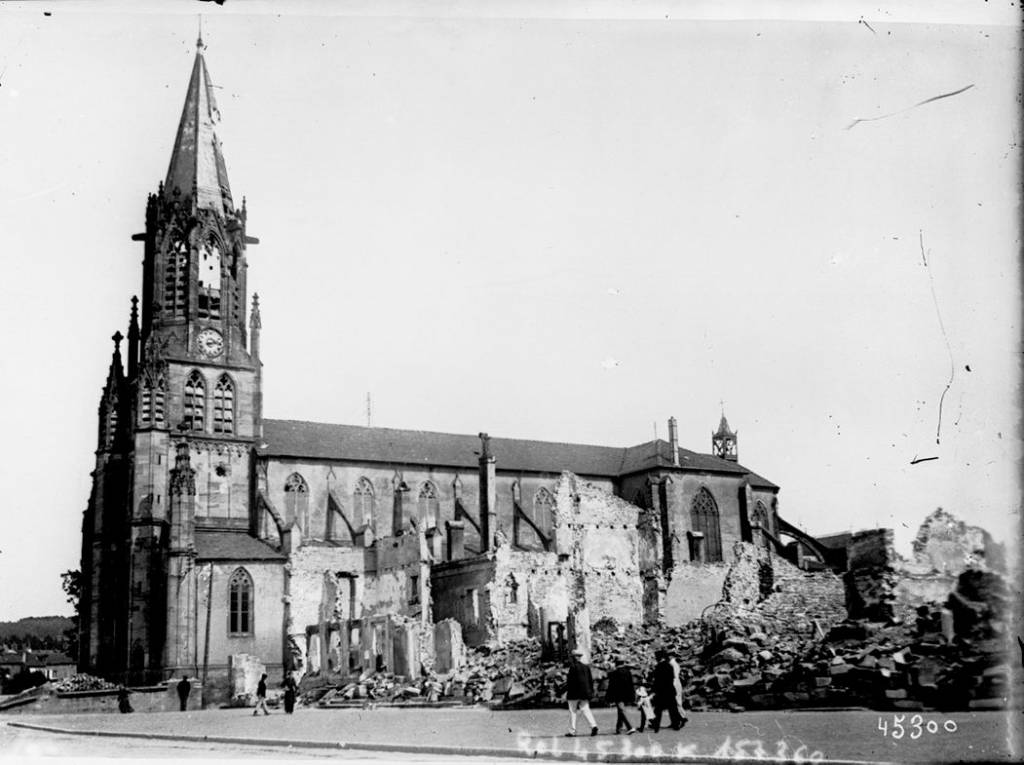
(264, 641)
(881, 585)
(947, 545)
(510, 594)
(691, 589)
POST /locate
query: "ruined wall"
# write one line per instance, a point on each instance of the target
(461, 591)
(947, 545)
(882, 585)
(599, 530)
(397, 577)
(800, 599)
(870, 577)
(511, 594)
(691, 589)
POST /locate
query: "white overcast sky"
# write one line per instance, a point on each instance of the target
(559, 221)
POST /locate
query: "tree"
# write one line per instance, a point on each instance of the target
(71, 583)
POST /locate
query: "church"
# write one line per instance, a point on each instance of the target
(213, 533)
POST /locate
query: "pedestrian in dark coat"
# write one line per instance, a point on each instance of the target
(261, 697)
(184, 688)
(620, 693)
(664, 688)
(579, 690)
(290, 692)
(123, 703)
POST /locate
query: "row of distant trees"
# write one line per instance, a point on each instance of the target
(47, 633)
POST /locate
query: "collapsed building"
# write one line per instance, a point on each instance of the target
(213, 533)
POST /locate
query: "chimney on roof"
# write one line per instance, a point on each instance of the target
(673, 440)
(456, 541)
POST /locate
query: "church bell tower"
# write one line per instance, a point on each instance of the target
(196, 388)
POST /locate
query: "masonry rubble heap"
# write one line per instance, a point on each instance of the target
(83, 683)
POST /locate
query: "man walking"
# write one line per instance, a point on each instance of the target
(261, 697)
(184, 687)
(620, 693)
(664, 687)
(579, 689)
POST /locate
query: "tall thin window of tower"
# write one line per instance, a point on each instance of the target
(224, 406)
(209, 280)
(240, 603)
(296, 502)
(151, 403)
(195, 402)
(428, 505)
(543, 511)
(176, 279)
(362, 502)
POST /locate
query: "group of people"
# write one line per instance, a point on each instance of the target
(291, 692)
(666, 694)
(124, 703)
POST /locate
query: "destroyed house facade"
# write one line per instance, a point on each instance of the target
(212, 532)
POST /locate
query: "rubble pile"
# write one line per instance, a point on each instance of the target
(83, 683)
(376, 687)
(949, 658)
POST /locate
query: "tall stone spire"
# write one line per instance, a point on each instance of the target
(197, 165)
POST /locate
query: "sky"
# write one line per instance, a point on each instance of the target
(555, 221)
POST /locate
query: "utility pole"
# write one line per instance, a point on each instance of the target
(369, 411)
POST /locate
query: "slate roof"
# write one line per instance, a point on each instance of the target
(196, 159)
(232, 545)
(57, 659)
(318, 440)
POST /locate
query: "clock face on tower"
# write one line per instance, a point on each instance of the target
(210, 343)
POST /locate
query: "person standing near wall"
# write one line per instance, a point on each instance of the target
(290, 692)
(677, 683)
(261, 697)
(184, 688)
(620, 693)
(123, 702)
(579, 689)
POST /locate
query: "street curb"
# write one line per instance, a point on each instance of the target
(462, 751)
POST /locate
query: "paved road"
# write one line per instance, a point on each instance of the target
(20, 745)
(831, 736)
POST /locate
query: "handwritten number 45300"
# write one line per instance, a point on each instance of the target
(915, 727)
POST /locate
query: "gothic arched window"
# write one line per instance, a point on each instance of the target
(110, 420)
(240, 602)
(151, 406)
(209, 279)
(704, 518)
(362, 503)
(224, 406)
(176, 279)
(296, 501)
(427, 506)
(759, 523)
(543, 513)
(195, 402)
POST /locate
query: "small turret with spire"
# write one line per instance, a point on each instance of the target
(724, 442)
(133, 340)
